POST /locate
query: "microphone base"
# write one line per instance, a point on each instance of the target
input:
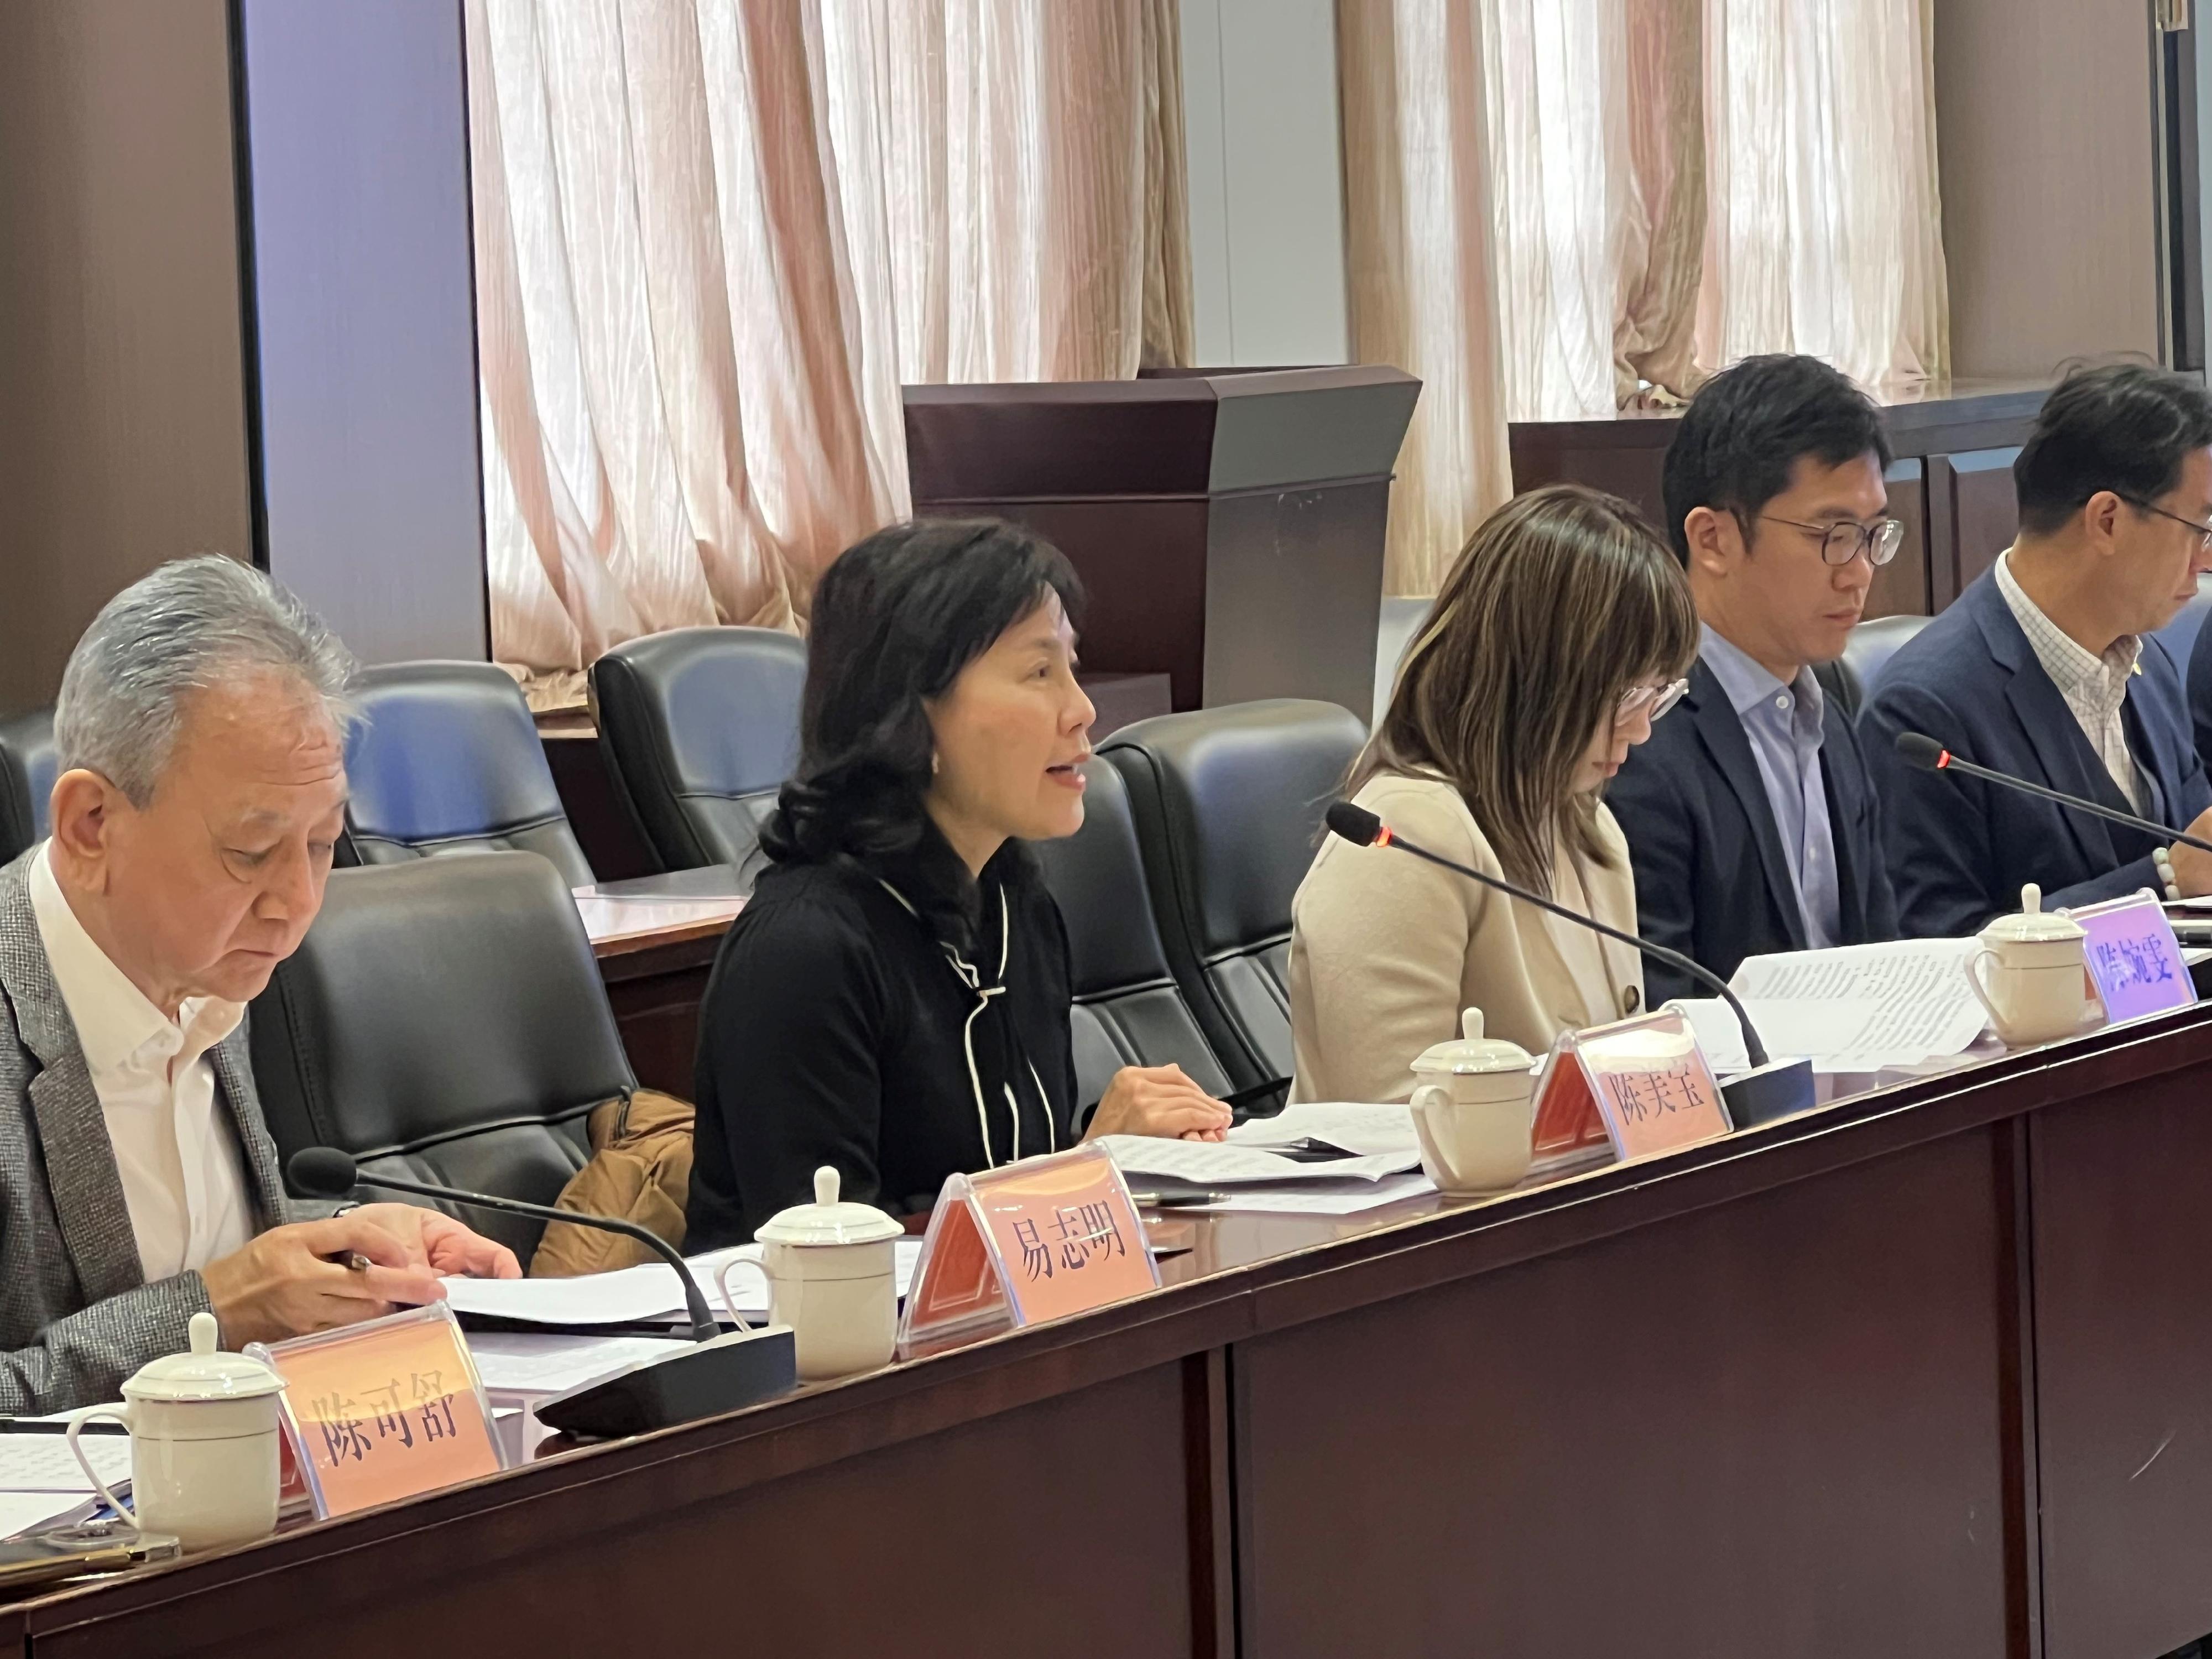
(1775, 1089)
(695, 1380)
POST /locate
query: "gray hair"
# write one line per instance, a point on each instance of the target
(190, 625)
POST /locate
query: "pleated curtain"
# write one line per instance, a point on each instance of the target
(1556, 208)
(715, 237)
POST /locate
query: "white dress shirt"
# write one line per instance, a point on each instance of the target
(184, 1181)
(2095, 687)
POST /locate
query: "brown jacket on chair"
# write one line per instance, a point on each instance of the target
(640, 1170)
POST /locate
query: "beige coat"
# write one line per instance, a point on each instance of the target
(1386, 949)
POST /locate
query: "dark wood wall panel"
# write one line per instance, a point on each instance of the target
(2123, 1368)
(123, 438)
(1986, 511)
(1900, 587)
(1587, 1455)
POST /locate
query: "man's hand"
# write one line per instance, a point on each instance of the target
(2192, 869)
(1158, 1100)
(295, 1279)
(436, 1240)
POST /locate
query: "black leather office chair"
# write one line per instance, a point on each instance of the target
(447, 759)
(1128, 1009)
(699, 727)
(1866, 653)
(26, 779)
(1228, 806)
(444, 1020)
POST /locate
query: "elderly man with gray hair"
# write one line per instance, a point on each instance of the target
(200, 732)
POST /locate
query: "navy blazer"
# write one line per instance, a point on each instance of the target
(2200, 691)
(1711, 881)
(1960, 849)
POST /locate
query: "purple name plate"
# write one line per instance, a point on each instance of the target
(2133, 958)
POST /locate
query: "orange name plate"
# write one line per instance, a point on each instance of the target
(389, 1409)
(1651, 1082)
(1037, 1240)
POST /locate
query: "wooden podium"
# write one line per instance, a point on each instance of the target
(1227, 524)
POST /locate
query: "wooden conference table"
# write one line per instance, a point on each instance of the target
(1926, 1371)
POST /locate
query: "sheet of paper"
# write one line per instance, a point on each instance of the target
(1817, 1030)
(1357, 1129)
(1923, 1005)
(1225, 1163)
(636, 1295)
(519, 1362)
(43, 1462)
(1323, 1198)
(21, 1510)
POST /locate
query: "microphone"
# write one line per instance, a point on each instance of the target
(1764, 1092)
(1918, 749)
(713, 1373)
(326, 1172)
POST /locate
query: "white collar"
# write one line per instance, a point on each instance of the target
(117, 1026)
(2071, 665)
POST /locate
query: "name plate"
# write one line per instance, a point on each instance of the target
(388, 1409)
(1038, 1240)
(2134, 959)
(1641, 1084)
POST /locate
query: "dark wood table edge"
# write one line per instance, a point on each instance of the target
(724, 1457)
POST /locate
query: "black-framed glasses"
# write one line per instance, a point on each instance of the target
(2204, 531)
(1841, 543)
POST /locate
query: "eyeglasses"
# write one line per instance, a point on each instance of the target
(1840, 542)
(1658, 699)
(2204, 531)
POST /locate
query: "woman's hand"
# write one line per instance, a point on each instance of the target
(1158, 1100)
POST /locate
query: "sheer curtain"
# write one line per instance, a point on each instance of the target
(1557, 208)
(714, 237)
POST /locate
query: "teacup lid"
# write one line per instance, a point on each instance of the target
(826, 1221)
(2034, 924)
(1473, 1053)
(204, 1373)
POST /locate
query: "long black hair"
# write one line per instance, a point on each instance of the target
(895, 618)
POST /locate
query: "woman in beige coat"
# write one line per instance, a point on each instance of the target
(1561, 633)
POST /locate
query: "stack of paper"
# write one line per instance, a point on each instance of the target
(1383, 1168)
(635, 1296)
(1858, 1008)
(41, 1480)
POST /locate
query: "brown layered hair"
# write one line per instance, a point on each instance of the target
(1562, 600)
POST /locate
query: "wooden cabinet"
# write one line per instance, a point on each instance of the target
(1951, 483)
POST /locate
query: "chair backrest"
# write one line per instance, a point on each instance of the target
(1402, 621)
(1872, 644)
(444, 1020)
(1128, 1009)
(447, 759)
(2180, 636)
(1228, 804)
(700, 727)
(26, 779)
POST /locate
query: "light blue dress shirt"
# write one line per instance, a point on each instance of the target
(1783, 724)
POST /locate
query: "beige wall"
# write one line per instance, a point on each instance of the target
(2043, 123)
(122, 419)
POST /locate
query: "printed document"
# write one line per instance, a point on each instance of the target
(1857, 1008)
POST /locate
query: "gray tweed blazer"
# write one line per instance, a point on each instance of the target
(76, 1316)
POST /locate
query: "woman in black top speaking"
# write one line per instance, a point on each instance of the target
(894, 998)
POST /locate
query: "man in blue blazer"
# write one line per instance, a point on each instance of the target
(1750, 822)
(2044, 668)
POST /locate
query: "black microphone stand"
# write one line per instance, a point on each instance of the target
(1770, 1090)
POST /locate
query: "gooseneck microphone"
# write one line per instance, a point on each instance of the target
(716, 1371)
(326, 1172)
(1764, 1092)
(1918, 749)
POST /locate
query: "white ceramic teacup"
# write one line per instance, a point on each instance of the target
(830, 1270)
(1475, 1121)
(204, 1444)
(2035, 987)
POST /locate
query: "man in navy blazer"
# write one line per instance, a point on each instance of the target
(1750, 821)
(2044, 668)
